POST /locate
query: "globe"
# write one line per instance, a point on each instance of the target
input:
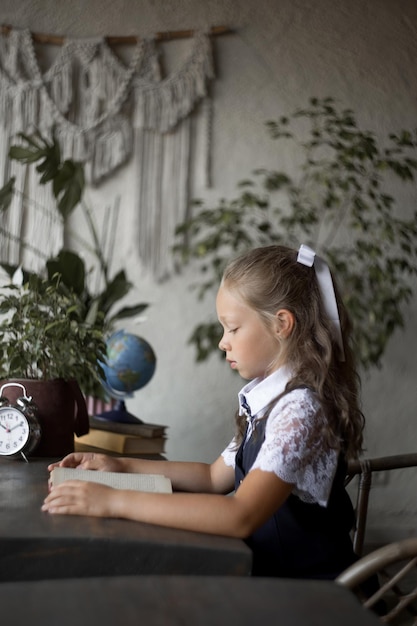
(129, 366)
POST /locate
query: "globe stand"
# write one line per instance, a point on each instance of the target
(119, 414)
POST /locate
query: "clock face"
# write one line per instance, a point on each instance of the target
(14, 431)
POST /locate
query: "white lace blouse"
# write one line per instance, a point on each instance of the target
(294, 447)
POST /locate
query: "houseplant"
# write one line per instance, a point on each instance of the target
(53, 327)
(67, 181)
(47, 346)
(339, 200)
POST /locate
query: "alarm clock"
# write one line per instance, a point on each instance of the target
(20, 430)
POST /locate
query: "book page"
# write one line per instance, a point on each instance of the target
(118, 480)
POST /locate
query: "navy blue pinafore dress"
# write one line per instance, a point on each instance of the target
(301, 540)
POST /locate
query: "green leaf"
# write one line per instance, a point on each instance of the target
(71, 268)
(68, 186)
(26, 155)
(128, 312)
(6, 194)
(115, 290)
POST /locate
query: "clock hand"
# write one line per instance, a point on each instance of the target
(5, 427)
(17, 426)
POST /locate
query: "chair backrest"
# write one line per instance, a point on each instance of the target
(364, 469)
(395, 565)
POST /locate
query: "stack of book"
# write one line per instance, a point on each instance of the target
(140, 438)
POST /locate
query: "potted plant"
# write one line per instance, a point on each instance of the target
(338, 200)
(52, 327)
(67, 182)
(48, 347)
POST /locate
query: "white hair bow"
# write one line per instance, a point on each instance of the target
(308, 257)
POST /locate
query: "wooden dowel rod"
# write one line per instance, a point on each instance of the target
(57, 40)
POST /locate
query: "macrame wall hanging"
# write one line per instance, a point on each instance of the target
(104, 112)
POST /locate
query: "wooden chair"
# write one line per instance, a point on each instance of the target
(364, 469)
(395, 565)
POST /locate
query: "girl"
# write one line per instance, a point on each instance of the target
(298, 420)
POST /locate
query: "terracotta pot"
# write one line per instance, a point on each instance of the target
(61, 412)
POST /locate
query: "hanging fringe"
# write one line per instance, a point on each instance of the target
(160, 106)
(31, 230)
(93, 101)
(82, 116)
(43, 224)
(163, 195)
(208, 129)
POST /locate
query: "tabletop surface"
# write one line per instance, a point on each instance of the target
(181, 600)
(35, 545)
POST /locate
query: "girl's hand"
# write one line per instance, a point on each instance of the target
(91, 461)
(76, 497)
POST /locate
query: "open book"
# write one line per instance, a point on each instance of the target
(137, 482)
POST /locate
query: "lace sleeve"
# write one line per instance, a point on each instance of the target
(294, 447)
(229, 453)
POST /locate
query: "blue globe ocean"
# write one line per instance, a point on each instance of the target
(130, 364)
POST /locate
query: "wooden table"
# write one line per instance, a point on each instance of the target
(181, 601)
(35, 545)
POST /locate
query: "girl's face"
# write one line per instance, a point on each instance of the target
(251, 348)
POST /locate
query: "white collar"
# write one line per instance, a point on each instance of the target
(259, 392)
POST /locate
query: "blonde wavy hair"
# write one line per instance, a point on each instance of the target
(270, 278)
